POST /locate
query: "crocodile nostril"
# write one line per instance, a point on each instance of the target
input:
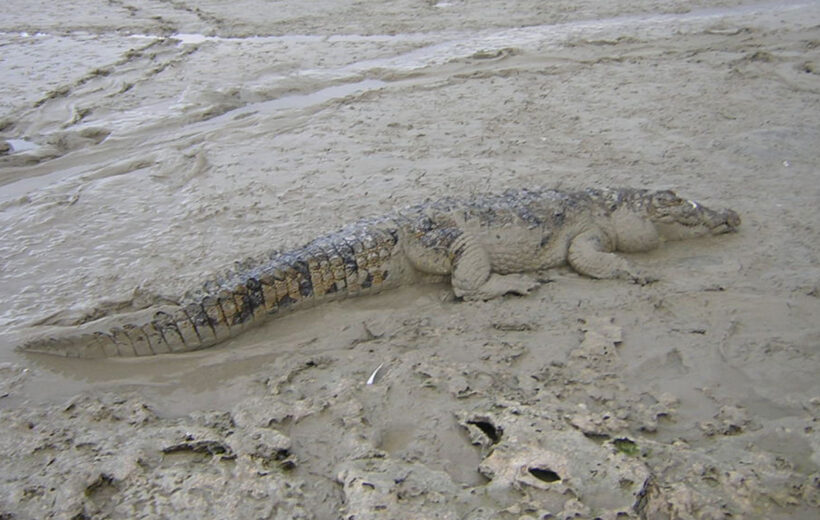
(732, 218)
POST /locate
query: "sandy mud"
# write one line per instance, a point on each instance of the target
(146, 144)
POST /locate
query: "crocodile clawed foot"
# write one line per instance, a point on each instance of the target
(499, 285)
(643, 279)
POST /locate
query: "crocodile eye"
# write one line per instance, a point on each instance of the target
(667, 198)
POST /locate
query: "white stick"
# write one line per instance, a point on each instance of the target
(372, 377)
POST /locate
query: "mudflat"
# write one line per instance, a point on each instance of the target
(146, 145)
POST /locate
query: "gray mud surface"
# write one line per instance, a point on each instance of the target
(145, 144)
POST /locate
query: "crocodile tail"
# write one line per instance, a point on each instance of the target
(352, 261)
(154, 330)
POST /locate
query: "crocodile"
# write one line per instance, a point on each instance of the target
(486, 246)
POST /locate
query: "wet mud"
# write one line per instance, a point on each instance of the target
(146, 145)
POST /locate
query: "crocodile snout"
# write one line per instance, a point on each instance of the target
(728, 222)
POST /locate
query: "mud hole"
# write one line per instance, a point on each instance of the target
(147, 144)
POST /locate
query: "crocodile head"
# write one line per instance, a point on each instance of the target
(676, 218)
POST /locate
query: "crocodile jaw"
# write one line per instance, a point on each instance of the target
(726, 221)
(709, 222)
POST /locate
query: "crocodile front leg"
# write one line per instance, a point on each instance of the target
(590, 254)
(472, 276)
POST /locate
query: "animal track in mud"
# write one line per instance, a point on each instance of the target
(165, 26)
(489, 429)
(210, 19)
(544, 474)
(104, 486)
(100, 72)
(206, 447)
(132, 11)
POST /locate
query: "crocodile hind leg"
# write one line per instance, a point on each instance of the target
(472, 276)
